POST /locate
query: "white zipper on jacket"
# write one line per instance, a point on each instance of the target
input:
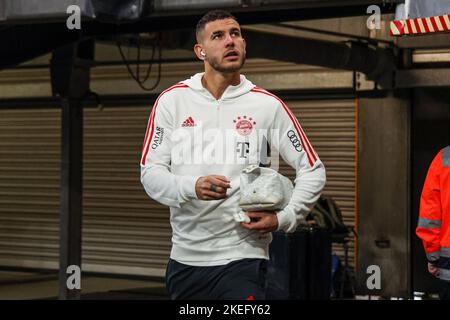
(218, 113)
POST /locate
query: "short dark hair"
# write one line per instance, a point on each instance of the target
(210, 16)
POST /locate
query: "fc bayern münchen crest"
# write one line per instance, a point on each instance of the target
(244, 125)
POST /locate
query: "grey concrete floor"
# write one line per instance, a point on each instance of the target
(28, 286)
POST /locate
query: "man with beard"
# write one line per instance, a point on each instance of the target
(214, 256)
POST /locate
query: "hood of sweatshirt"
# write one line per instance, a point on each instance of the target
(195, 83)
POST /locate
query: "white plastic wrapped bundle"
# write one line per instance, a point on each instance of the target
(262, 189)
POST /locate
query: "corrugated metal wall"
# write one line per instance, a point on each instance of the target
(124, 230)
(29, 187)
(331, 128)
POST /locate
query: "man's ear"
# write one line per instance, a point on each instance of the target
(198, 51)
(245, 44)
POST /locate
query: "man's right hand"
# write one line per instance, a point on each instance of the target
(433, 269)
(203, 187)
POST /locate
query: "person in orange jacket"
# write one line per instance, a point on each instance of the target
(434, 220)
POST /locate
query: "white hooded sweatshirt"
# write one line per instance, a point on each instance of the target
(190, 134)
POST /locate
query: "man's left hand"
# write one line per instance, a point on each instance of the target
(262, 221)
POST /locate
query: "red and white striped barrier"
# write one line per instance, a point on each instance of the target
(420, 25)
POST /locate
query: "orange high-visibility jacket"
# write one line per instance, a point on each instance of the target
(434, 218)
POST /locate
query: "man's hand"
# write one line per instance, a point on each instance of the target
(263, 221)
(433, 269)
(219, 184)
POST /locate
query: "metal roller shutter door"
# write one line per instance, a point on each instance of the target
(29, 187)
(330, 126)
(123, 230)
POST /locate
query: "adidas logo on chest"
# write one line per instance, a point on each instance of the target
(189, 122)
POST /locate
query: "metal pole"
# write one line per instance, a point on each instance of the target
(70, 72)
(71, 193)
